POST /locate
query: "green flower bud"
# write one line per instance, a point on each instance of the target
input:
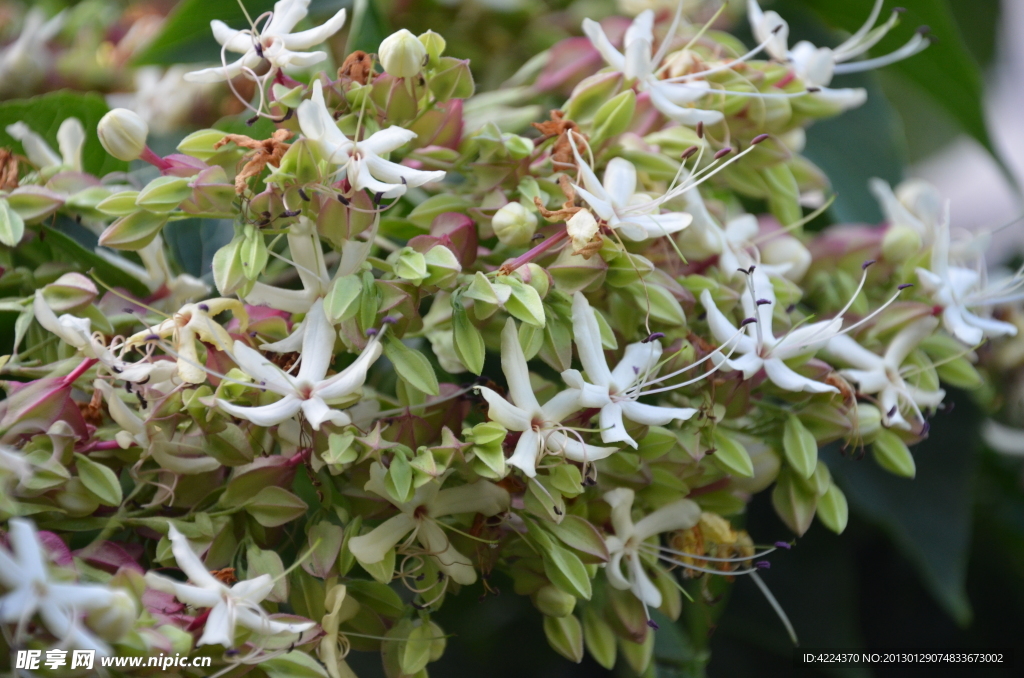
(123, 134)
(536, 277)
(288, 97)
(69, 292)
(572, 273)
(443, 266)
(134, 231)
(553, 601)
(163, 194)
(117, 619)
(453, 80)
(590, 95)
(900, 243)
(869, 420)
(301, 163)
(120, 204)
(402, 54)
(200, 144)
(434, 45)
(34, 202)
(514, 224)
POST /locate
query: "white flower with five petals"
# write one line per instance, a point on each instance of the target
(626, 546)
(230, 607)
(311, 390)
(616, 391)
(420, 515)
(817, 65)
(276, 42)
(541, 426)
(759, 348)
(616, 201)
(882, 374)
(30, 590)
(361, 160)
(637, 62)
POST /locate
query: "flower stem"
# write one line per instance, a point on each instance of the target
(535, 252)
(153, 159)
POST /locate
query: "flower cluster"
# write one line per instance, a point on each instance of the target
(448, 337)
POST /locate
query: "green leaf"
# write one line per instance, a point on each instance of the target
(273, 506)
(100, 480)
(412, 366)
(468, 342)
(415, 654)
(12, 226)
(294, 664)
(561, 566)
(565, 635)
(45, 113)
(731, 455)
(800, 447)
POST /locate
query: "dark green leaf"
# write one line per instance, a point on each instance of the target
(104, 270)
(45, 113)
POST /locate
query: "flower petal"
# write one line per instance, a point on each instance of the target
(785, 378)
(505, 413)
(603, 45)
(264, 372)
(220, 627)
(265, 415)
(517, 374)
(587, 335)
(526, 453)
(654, 415)
(352, 377)
(314, 36)
(317, 345)
(371, 548)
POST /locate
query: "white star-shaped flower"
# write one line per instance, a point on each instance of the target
(230, 607)
(541, 426)
(361, 160)
(637, 63)
(626, 546)
(882, 374)
(759, 348)
(617, 202)
(817, 65)
(958, 291)
(616, 391)
(275, 42)
(60, 605)
(420, 515)
(310, 390)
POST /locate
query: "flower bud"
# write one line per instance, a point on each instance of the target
(786, 249)
(123, 134)
(900, 243)
(434, 45)
(536, 277)
(514, 224)
(553, 601)
(402, 54)
(115, 620)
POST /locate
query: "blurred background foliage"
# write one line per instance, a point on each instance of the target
(934, 562)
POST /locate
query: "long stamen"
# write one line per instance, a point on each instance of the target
(775, 606)
(728, 66)
(697, 556)
(690, 381)
(696, 363)
(913, 46)
(855, 39)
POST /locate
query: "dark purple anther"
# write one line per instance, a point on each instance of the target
(343, 200)
(747, 321)
(204, 308)
(302, 194)
(689, 152)
(758, 139)
(153, 337)
(722, 153)
(763, 565)
(652, 337)
(653, 624)
(905, 286)
(867, 263)
(762, 302)
(783, 545)
(389, 320)
(372, 332)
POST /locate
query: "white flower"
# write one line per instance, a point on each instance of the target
(31, 591)
(24, 62)
(362, 160)
(816, 65)
(542, 432)
(133, 428)
(275, 42)
(310, 390)
(616, 391)
(77, 332)
(627, 544)
(231, 607)
(616, 201)
(191, 323)
(420, 515)
(638, 63)
(759, 348)
(70, 140)
(959, 290)
(308, 257)
(915, 204)
(881, 374)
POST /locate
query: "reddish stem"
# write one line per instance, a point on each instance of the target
(78, 371)
(535, 252)
(153, 159)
